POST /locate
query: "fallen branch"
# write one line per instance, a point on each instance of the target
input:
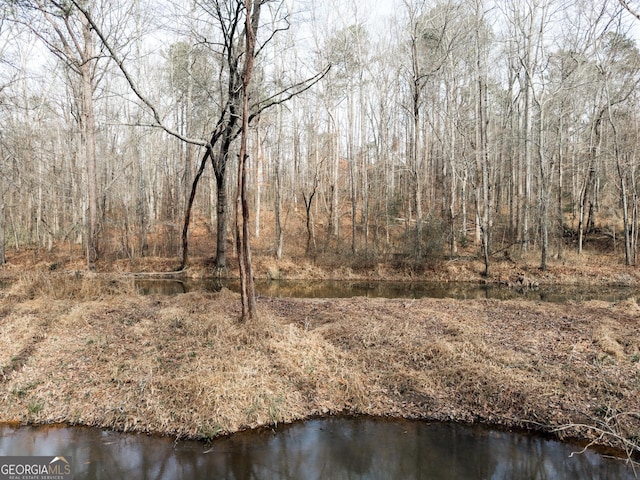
(608, 433)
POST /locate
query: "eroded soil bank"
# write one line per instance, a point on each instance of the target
(184, 366)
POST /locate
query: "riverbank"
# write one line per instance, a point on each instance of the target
(98, 354)
(592, 268)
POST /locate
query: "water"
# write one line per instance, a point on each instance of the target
(371, 289)
(384, 289)
(333, 448)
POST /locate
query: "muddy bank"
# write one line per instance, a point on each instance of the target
(184, 366)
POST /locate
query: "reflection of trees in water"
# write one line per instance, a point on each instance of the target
(383, 289)
(447, 451)
(350, 448)
(335, 448)
(115, 455)
(540, 459)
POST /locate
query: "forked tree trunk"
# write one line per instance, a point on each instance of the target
(243, 246)
(586, 199)
(309, 223)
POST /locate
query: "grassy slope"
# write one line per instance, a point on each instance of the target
(184, 366)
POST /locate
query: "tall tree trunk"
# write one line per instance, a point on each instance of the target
(586, 199)
(624, 199)
(247, 288)
(416, 149)
(188, 152)
(141, 207)
(89, 129)
(308, 201)
(544, 217)
(354, 206)
(634, 228)
(559, 206)
(528, 152)
(220, 162)
(546, 176)
(277, 208)
(351, 155)
(221, 216)
(277, 199)
(334, 218)
(482, 151)
(3, 259)
(258, 184)
(364, 171)
(452, 184)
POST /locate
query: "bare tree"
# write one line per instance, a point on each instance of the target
(621, 76)
(218, 148)
(243, 246)
(457, 110)
(71, 40)
(4, 81)
(431, 41)
(482, 177)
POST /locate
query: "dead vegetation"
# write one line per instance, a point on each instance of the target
(594, 267)
(101, 355)
(78, 286)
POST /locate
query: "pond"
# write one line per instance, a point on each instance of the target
(372, 289)
(335, 448)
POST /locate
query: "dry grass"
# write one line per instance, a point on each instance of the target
(595, 266)
(184, 366)
(77, 286)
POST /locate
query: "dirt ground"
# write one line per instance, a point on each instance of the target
(92, 352)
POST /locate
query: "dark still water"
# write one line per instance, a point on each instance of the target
(334, 448)
(372, 289)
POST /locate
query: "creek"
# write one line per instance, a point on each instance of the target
(331, 448)
(384, 289)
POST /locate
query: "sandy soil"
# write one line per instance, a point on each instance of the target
(184, 365)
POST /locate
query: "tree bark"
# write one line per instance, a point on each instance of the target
(277, 208)
(483, 206)
(3, 259)
(624, 198)
(277, 199)
(189, 206)
(243, 246)
(89, 130)
(586, 199)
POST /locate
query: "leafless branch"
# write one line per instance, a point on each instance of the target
(628, 8)
(132, 84)
(288, 93)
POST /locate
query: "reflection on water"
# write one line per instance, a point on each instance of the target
(341, 289)
(383, 289)
(334, 448)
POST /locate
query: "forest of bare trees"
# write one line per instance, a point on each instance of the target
(401, 134)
